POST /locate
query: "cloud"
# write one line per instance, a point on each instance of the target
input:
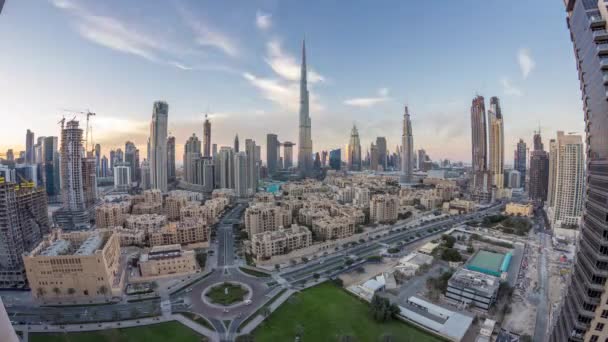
(510, 89)
(263, 20)
(526, 63)
(207, 36)
(286, 65)
(366, 102)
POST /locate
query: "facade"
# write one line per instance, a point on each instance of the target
(335, 159)
(473, 288)
(75, 265)
(167, 260)
(514, 179)
(305, 135)
(518, 209)
(236, 143)
(520, 161)
(158, 146)
(132, 159)
(539, 171)
(333, 228)
(207, 138)
(479, 135)
(50, 167)
(187, 231)
(240, 174)
(288, 155)
(71, 167)
(267, 244)
(122, 177)
(567, 189)
(354, 150)
(171, 158)
(111, 214)
(384, 208)
(382, 152)
(89, 181)
(407, 149)
(29, 147)
(264, 218)
(496, 143)
(272, 153)
(192, 154)
(226, 168)
(253, 166)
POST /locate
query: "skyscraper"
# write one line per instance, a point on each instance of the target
(478, 135)
(7, 333)
(272, 155)
(240, 174)
(50, 167)
(236, 144)
(422, 157)
(305, 139)
(519, 162)
(407, 148)
(226, 167)
(104, 166)
(158, 146)
(496, 143)
(252, 165)
(583, 308)
(539, 171)
(171, 158)
(288, 154)
(354, 150)
(98, 159)
(382, 155)
(132, 158)
(373, 157)
(29, 147)
(207, 137)
(72, 192)
(552, 173)
(192, 153)
(567, 189)
(335, 159)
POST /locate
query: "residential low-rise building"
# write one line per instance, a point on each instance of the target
(266, 217)
(267, 244)
(167, 260)
(184, 232)
(145, 222)
(458, 206)
(384, 208)
(332, 228)
(111, 214)
(75, 265)
(519, 209)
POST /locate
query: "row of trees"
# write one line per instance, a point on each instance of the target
(40, 292)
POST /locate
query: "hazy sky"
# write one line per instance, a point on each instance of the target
(239, 60)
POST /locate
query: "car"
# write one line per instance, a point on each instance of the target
(188, 290)
(225, 310)
(248, 302)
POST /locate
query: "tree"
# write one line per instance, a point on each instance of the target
(346, 338)
(103, 290)
(448, 240)
(451, 254)
(348, 262)
(71, 291)
(57, 291)
(153, 285)
(304, 259)
(338, 282)
(382, 310)
(40, 292)
(316, 275)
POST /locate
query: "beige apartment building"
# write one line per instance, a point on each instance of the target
(167, 260)
(173, 206)
(384, 208)
(267, 244)
(130, 237)
(75, 265)
(145, 222)
(147, 208)
(307, 216)
(332, 228)
(263, 218)
(112, 214)
(458, 206)
(518, 209)
(184, 232)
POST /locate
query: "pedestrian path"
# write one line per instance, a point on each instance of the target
(247, 329)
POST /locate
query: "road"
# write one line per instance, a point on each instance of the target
(542, 310)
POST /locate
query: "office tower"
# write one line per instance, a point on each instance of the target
(316, 165)
(226, 168)
(214, 150)
(539, 171)
(23, 223)
(305, 139)
(29, 147)
(97, 150)
(207, 138)
(583, 310)
(72, 192)
(335, 159)
(147, 150)
(236, 143)
(407, 148)
(120, 157)
(158, 146)
(26, 173)
(478, 135)
(89, 180)
(552, 172)
(354, 150)
(104, 167)
(50, 167)
(192, 153)
(112, 161)
(122, 177)
(7, 333)
(272, 156)
(421, 159)
(209, 172)
(569, 181)
(38, 150)
(10, 156)
(519, 162)
(171, 158)
(373, 157)
(132, 159)
(288, 155)
(240, 174)
(252, 165)
(324, 158)
(496, 143)
(146, 181)
(514, 179)
(382, 152)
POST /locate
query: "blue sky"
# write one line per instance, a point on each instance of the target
(239, 61)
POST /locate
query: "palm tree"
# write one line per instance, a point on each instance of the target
(57, 291)
(71, 291)
(103, 290)
(40, 292)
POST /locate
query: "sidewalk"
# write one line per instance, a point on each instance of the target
(260, 318)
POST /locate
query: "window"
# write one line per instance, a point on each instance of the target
(593, 338)
(605, 314)
(599, 327)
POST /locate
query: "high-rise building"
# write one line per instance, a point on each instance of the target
(214, 150)
(324, 158)
(207, 137)
(236, 143)
(382, 152)
(132, 159)
(520, 161)
(272, 153)
(252, 165)
(72, 192)
(422, 157)
(407, 148)
(552, 172)
(335, 159)
(373, 157)
(478, 135)
(97, 151)
(158, 146)
(567, 189)
(104, 167)
(50, 167)
(305, 138)
(582, 315)
(240, 174)
(23, 222)
(10, 156)
(89, 180)
(29, 147)
(539, 171)
(146, 180)
(171, 158)
(354, 150)
(192, 153)
(288, 155)
(496, 143)
(226, 167)
(7, 333)
(122, 177)
(113, 160)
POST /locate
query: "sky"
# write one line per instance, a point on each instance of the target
(239, 60)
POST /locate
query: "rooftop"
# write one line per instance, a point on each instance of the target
(486, 262)
(448, 323)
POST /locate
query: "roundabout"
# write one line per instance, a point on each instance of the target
(228, 294)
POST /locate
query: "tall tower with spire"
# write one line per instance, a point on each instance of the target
(305, 140)
(407, 151)
(207, 137)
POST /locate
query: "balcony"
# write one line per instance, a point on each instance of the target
(602, 49)
(600, 35)
(596, 21)
(604, 63)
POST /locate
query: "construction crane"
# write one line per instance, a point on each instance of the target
(88, 113)
(62, 122)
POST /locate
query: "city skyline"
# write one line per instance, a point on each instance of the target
(265, 71)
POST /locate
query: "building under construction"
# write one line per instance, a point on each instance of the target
(23, 222)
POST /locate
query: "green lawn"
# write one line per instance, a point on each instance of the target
(326, 313)
(162, 332)
(218, 295)
(254, 273)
